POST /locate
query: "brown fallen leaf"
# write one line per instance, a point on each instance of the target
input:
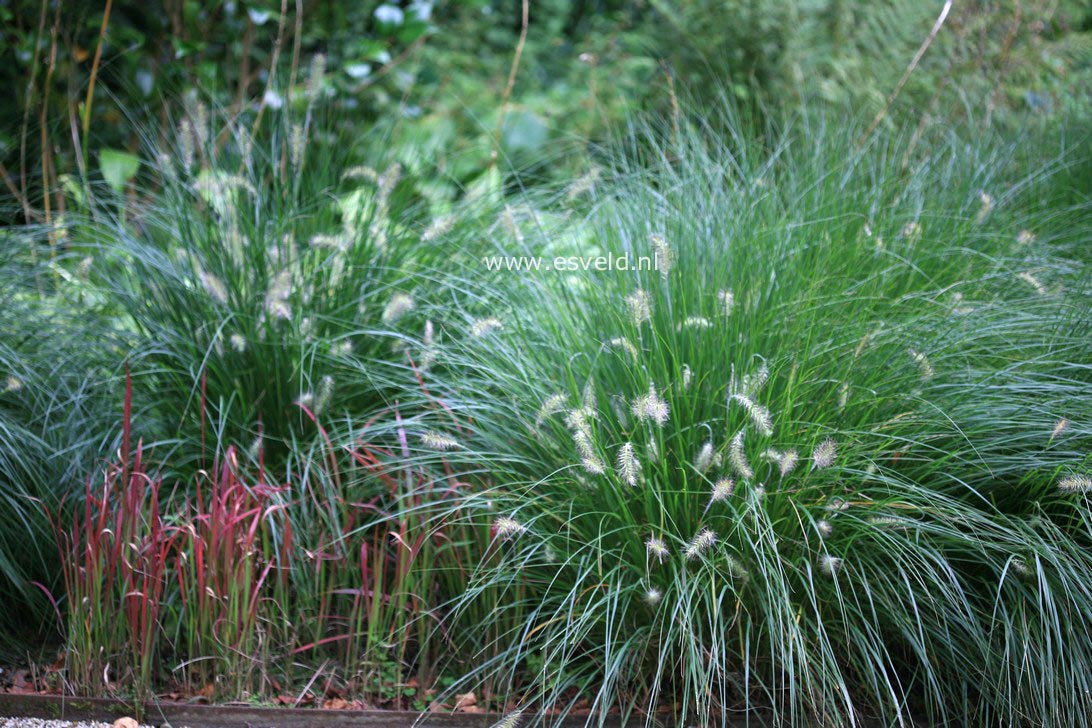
(335, 704)
(126, 723)
(465, 700)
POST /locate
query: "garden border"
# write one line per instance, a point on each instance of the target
(56, 707)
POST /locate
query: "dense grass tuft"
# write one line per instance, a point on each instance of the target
(812, 466)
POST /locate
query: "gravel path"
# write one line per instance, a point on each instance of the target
(42, 723)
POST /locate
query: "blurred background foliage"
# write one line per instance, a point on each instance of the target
(423, 83)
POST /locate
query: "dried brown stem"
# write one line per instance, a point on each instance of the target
(526, 17)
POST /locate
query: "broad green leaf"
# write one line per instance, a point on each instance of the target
(118, 167)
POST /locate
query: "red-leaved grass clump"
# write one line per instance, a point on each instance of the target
(114, 558)
(226, 559)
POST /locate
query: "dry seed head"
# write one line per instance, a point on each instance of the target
(201, 125)
(511, 720)
(246, 146)
(824, 453)
(582, 184)
(507, 527)
(735, 568)
(583, 443)
(508, 222)
(215, 287)
(1020, 567)
(428, 358)
(656, 549)
(276, 300)
(722, 490)
(629, 468)
(1026, 237)
(738, 458)
(653, 597)
(624, 344)
(824, 528)
(593, 466)
(255, 448)
(185, 143)
(341, 348)
(554, 403)
(579, 419)
(830, 564)
(760, 416)
(753, 383)
(1075, 484)
(911, 231)
(887, 522)
(687, 375)
(704, 459)
(726, 300)
(307, 328)
(837, 505)
(306, 400)
(399, 305)
(618, 406)
(653, 449)
(694, 322)
(587, 395)
(296, 143)
(13, 383)
(1033, 282)
(925, 367)
(665, 257)
(439, 441)
(314, 78)
(438, 228)
(588, 457)
(361, 171)
(386, 183)
(325, 394)
(701, 543)
(986, 206)
(237, 342)
(640, 310)
(485, 326)
(843, 395)
(1059, 427)
(789, 459)
(651, 407)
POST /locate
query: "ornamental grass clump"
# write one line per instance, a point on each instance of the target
(798, 475)
(259, 271)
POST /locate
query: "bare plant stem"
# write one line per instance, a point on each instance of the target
(526, 17)
(43, 119)
(273, 62)
(28, 100)
(297, 39)
(94, 75)
(907, 73)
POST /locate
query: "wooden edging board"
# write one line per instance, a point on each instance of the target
(178, 715)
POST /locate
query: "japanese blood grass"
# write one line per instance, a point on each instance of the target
(260, 583)
(115, 555)
(812, 467)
